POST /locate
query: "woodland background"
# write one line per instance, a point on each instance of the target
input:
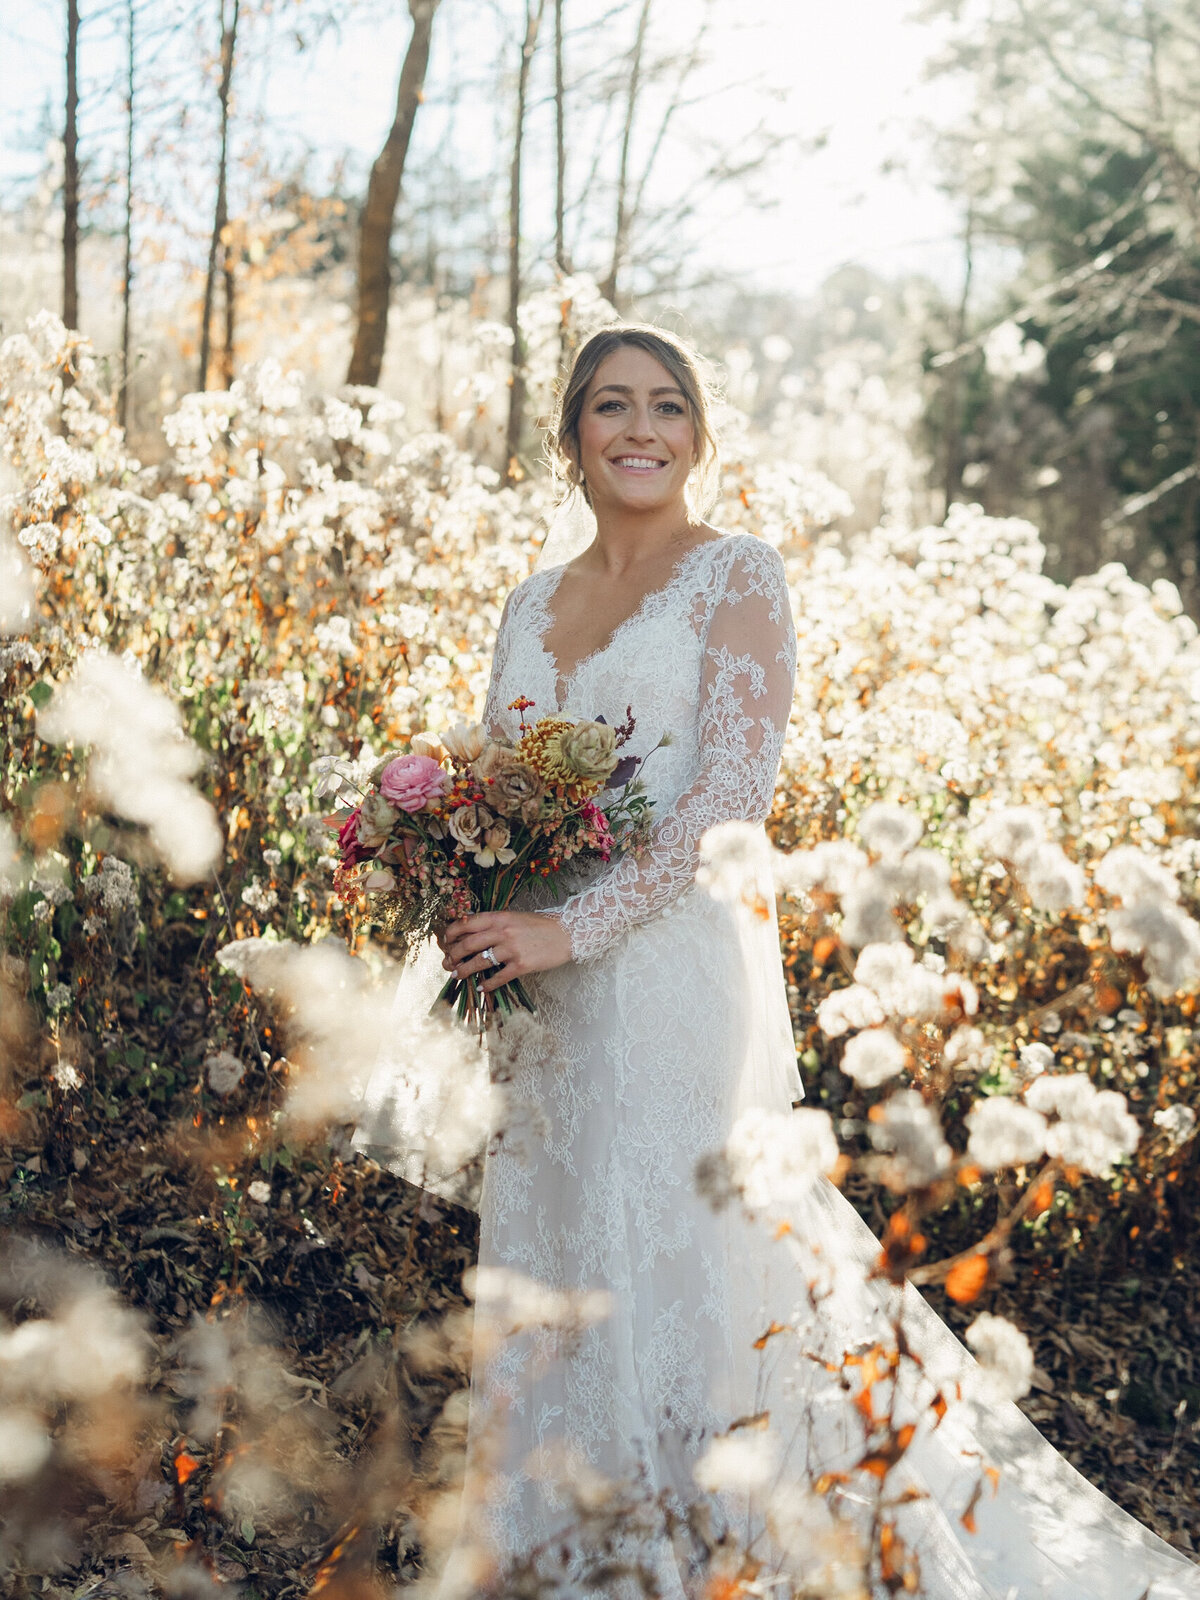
(311, 567)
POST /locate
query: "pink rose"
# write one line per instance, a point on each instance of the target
(409, 781)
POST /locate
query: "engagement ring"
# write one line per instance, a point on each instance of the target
(490, 955)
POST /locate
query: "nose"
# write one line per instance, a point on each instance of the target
(641, 425)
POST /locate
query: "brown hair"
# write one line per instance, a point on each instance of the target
(686, 367)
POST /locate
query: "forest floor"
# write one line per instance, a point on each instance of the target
(343, 1262)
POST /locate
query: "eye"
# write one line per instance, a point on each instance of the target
(672, 408)
(607, 405)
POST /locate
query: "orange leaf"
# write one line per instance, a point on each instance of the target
(1108, 998)
(827, 1480)
(823, 949)
(1042, 1197)
(965, 1280)
(776, 1327)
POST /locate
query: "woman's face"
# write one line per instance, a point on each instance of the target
(636, 440)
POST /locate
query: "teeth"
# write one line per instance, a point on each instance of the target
(643, 463)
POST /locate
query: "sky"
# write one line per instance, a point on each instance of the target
(852, 70)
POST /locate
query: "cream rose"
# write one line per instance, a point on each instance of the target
(467, 825)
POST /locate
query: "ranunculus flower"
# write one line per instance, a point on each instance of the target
(514, 790)
(375, 819)
(464, 742)
(410, 781)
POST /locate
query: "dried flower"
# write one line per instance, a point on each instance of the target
(514, 789)
(855, 1006)
(376, 818)
(1005, 1358)
(224, 1072)
(872, 1057)
(889, 830)
(917, 1154)
(741, 1462)
(1004, 1133)
(776, 1156)
(1094, 1130)
(574, 758)
(1177, 1122)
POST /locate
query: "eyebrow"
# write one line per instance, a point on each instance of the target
(623, 388)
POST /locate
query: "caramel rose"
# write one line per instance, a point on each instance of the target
(513, 789)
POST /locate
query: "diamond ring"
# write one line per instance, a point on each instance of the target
(490, 956)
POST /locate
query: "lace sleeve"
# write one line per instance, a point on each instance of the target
(493, 705)
(745, 696)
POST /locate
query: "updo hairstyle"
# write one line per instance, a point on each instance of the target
(689, 371)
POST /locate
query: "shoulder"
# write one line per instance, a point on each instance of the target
(533, 589)
(750, 565)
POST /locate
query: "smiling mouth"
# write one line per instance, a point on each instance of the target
(638, 463)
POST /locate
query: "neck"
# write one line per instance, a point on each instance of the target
(626, 539)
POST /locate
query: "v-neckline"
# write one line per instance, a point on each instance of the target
(563, 681)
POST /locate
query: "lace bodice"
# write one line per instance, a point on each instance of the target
(708, 659)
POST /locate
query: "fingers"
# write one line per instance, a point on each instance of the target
(468, 937)
(505, 974)
(461, 954)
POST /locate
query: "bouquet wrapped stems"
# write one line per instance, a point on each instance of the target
(473, 1005)
(477, 1007)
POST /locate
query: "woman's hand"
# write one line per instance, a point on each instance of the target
(521, 941)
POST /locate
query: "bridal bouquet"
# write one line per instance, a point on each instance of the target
(462, 822)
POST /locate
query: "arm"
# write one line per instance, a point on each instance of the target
(746, 688)
(494, 705)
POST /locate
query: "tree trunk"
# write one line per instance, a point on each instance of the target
(956, 377)
(127, 273)
(383, 192)
(221, 210)
(516, 393)
(70, 241)
(560, 146)
(624, 212)
(229, 290)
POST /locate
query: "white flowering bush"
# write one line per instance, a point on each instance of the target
(986, 864)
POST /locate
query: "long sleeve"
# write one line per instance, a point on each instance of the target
(494, 705)
(745, 696)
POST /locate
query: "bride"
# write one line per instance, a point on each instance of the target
(736, 1368)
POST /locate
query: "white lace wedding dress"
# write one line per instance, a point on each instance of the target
(670, 1020)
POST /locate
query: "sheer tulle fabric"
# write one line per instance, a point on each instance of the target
(670, 1021)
